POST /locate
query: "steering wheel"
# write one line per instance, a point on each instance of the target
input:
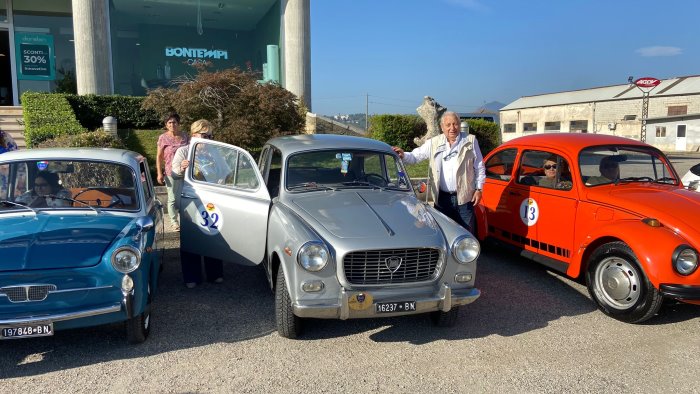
(116, 200)
(375, 179)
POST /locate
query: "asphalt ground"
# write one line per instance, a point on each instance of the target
(531, 331)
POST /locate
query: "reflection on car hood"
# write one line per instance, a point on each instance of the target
(368, 214)
(673, 206)
(56, 241)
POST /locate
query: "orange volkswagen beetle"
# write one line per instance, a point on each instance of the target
(610, 209)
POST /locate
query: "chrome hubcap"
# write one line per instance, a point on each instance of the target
(617, 283)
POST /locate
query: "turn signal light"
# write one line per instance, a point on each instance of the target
(651, 222)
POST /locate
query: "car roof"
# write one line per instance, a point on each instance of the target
(97, 154)
(571, 143)
(305, 142)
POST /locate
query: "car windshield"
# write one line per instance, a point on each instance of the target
(343, 168)
(620, 164)
(67, 184)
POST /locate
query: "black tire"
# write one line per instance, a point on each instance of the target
(619, 286)
(288, 324)
(138, 327)
(445, 319)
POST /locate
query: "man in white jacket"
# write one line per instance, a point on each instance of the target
(456, 168)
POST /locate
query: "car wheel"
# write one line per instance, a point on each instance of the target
(138, 327)
(445, 319)
(288, 324)
(618, 285)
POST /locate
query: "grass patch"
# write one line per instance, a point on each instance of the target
(144, 142)
(418, 170)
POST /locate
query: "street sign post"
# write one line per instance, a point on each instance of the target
(646, 85)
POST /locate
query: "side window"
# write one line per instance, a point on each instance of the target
(273, 177)
(147, 187)
(500, 166)
(544, 169)
(244, 174)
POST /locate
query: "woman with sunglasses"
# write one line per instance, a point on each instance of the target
(191, 263)
(46, 193)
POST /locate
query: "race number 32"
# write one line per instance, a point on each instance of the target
(211, 221)
(529, 211)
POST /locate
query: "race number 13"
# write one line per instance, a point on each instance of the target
(529, 211)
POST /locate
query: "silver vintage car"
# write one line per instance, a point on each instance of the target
(336, 224)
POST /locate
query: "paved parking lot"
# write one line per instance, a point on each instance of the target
(531, 331)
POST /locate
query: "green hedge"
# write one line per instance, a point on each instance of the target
(47, 116)
(397, 130)
(96, 139)
(487, 133)
(91, 109)
(144, 142)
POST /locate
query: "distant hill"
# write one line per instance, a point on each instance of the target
(493, 106)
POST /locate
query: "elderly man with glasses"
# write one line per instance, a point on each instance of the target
(457, 170)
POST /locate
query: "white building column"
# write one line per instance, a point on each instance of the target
(296, 16)
(93, 55)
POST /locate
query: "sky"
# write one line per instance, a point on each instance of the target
(465, 53)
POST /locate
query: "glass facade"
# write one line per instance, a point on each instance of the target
(156, 42)
(153, 42)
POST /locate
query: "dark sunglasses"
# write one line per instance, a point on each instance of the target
(550, 167)
(610, 165)
(207, 136)
(40, 184)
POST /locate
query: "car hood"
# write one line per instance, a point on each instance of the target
(673, 206)
(371, 214)
(56, 241)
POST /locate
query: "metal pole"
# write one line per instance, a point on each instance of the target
(367, 112)
(645, 114)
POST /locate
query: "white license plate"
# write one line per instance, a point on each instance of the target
(27, 331)
(390, 307)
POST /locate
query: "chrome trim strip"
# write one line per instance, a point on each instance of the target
(62, 316)
(81, 289)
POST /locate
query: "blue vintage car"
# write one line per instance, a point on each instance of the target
(80, 238)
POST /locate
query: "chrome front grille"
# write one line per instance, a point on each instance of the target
(391, 266)
(27, 293)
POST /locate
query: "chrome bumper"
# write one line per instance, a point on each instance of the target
(444, 300)
(60, 316)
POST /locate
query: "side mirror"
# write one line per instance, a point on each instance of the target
(693, 185)
(146, 223)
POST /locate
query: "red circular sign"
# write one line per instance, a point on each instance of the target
(647, 82)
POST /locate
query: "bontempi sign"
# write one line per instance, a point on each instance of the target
(34, 53)
(196, 53)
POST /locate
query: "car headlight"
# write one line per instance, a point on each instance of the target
(313, 256)
(126, 259)
(685, 260)
(466, 249)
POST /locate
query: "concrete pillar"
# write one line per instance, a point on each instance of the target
(93, 54)
(296, 15)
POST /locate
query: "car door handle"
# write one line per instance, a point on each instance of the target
(513, 193)
(183, 195)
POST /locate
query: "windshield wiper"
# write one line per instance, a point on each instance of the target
(309, 186)
(666, 180)
(74, 200)
(637, 179)
(353, 184)
(18, 205)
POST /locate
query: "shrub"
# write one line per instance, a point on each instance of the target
(244, 112)
(144, 142)
(397, 130)
(91, 109)
(47, 116)
(487, 133)
(98, 139)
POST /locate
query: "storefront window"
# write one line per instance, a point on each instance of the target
(155, 46)
(44, 50)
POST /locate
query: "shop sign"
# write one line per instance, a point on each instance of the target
(35, 56)
(647, 82)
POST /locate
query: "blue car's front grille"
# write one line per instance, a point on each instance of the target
(391, 266)
(27, 293)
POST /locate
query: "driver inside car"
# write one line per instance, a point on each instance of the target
(609, 172)
(46, 192)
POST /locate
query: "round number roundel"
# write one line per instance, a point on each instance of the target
(529, 211)
(210, 219)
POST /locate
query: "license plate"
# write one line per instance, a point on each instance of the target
(390, 307)
(28, 331)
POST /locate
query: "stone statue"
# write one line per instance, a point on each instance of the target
(431, 111)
